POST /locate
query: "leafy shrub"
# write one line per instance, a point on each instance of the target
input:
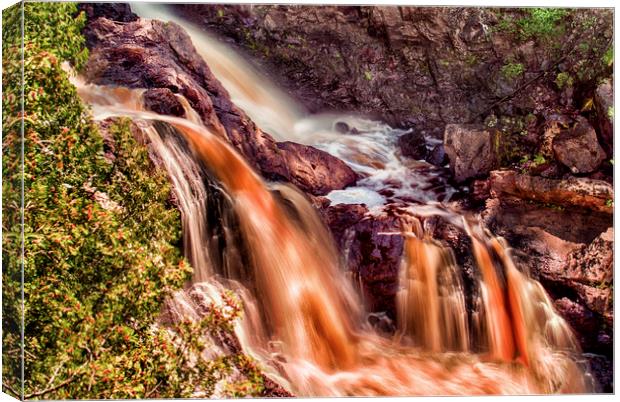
(542, 22)
(510, 71)
(100, 240)
(563, 80)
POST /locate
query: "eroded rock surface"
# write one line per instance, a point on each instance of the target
(160, 56)
(578, 148)
(471, 150)
(410, 66)
(595, 195)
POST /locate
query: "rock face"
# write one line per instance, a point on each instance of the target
(590, 272)
(115, 11)
(373, 255)
(471, 150)
(163, 101)
(578, 148)
(570, 251)
(595, 195)
(160, 56)
(419, 66)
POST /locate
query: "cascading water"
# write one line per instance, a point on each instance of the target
(372, 151)
(303, 317)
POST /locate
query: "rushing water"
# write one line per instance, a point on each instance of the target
(371, 151)
(303, 320)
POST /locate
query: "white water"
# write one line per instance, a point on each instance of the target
(372, 151)
(326, 347)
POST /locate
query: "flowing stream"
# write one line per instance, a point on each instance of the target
(304, 321)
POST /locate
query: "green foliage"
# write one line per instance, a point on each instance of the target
(610, 112)
(533, 23)
(528, 162)
(542, 22)
(608, 56)
(563, 80)
(368, 75)
(539, 160)
(100, 240)
(510, 71)
(11, 199)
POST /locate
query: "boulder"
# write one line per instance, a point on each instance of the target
(160, 57)
(581, 318)
(315, 171)
(593, 264)
(438, 156)
(578, 149)
(595, 195)
(604, 104)
(589, 272)
(163, 101)
(413, 145)
(471, 150)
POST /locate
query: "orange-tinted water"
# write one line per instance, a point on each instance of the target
(304, 314)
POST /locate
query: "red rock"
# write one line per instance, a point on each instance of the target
(578, 148)
(315, 171)
(413, 145)
(595, 195)
(163, 101)
(471, 150)
(160, 56)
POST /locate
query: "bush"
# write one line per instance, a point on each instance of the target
(100, 241)
(511, 71)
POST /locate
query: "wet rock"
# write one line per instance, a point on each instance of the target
(438, 156)
(373, 254)
(604, 104)
(315, 171)
(603, 370)
(578, 148)
(557, 245)
(340, 217)
(161, 57)
(113, 11)
(471, 150)
(344, 128)
(481, 190)
(581, 318)
(413, 145)
(163, 101)
(595, 195)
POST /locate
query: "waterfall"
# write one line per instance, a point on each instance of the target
(300, 299)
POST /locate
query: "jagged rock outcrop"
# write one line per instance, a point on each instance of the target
(569, 250)
(412, 66)
(578, 149)
(595, 195)
(160, 56)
